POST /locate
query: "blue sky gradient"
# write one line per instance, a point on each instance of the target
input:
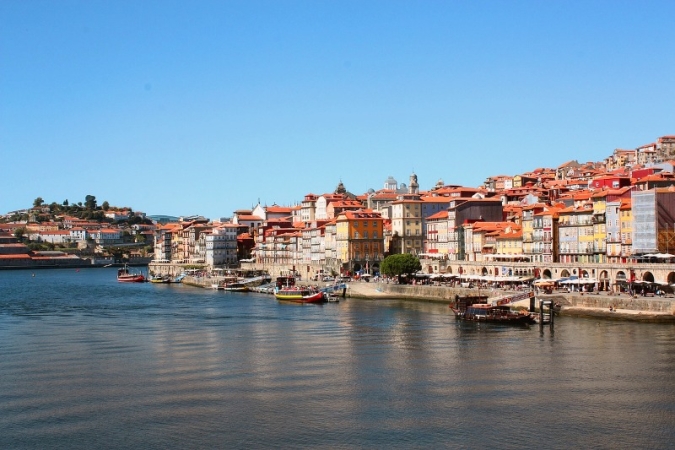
(205, 107)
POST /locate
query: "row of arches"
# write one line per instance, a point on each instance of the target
(602, 276)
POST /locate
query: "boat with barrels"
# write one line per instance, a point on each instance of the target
(477, 309)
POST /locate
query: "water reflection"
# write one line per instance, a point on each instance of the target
(91, 363)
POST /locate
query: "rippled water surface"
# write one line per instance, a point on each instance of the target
(86, 362)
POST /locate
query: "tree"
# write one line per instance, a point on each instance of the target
(105, 205)
(399, 265)
(38, 202)
(19, 233)
(90, 202)
(65, 202)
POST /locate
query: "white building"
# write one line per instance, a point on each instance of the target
(220, 245)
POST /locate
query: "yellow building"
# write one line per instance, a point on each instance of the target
(360, 240)
(626, 223)
(406, 225)
(510, 242)
(599, 227)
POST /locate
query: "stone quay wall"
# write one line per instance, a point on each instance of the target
(572, 303)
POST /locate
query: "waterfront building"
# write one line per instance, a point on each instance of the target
(464, 211)
(330, 246)
(653, 215)
(509, 244)
(313, 243)
(359, 240)
(527, 222)
(481, 239)
(431, 205)
(599, 199)
(436, 236)
(575, 232)
(164, 240)
(220, 245)
(406, 225)
(194, 244)
(613, 231)
(545, 235)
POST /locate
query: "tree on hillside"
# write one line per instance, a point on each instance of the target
(90, 202)
(399, 265)
(105, 205)
(19, 233)
(38, 202)
(65, 202)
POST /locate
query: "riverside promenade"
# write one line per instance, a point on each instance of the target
(623, 307)
(589, 305)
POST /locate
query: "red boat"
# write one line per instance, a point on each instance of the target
(124, 275)
(300, 295)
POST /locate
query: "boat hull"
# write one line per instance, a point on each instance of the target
(236, 288)
(131, 278)
(506, 319)
(317, 297)
(124, 275)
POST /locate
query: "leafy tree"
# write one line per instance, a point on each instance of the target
(19, 233)
(65, 202)
(400, 264)
(53, 207)
(38, 202)
(105, 206)
(90, 202)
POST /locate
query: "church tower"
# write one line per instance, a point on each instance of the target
(414, 188)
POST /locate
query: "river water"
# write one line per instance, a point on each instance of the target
(87, 362)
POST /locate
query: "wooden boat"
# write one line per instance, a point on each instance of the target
(476, 309)
(126, 276)
(159, 279)
(301, 294)
(235, 287)
(233, 284)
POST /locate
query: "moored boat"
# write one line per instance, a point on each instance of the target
(299, 294)
(126, 276)
(233, 284)
(159, 279)
(235, 287)
(476, 309)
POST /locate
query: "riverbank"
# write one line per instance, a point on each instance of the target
(623, 307)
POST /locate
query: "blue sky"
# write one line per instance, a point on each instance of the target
(204, 107)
